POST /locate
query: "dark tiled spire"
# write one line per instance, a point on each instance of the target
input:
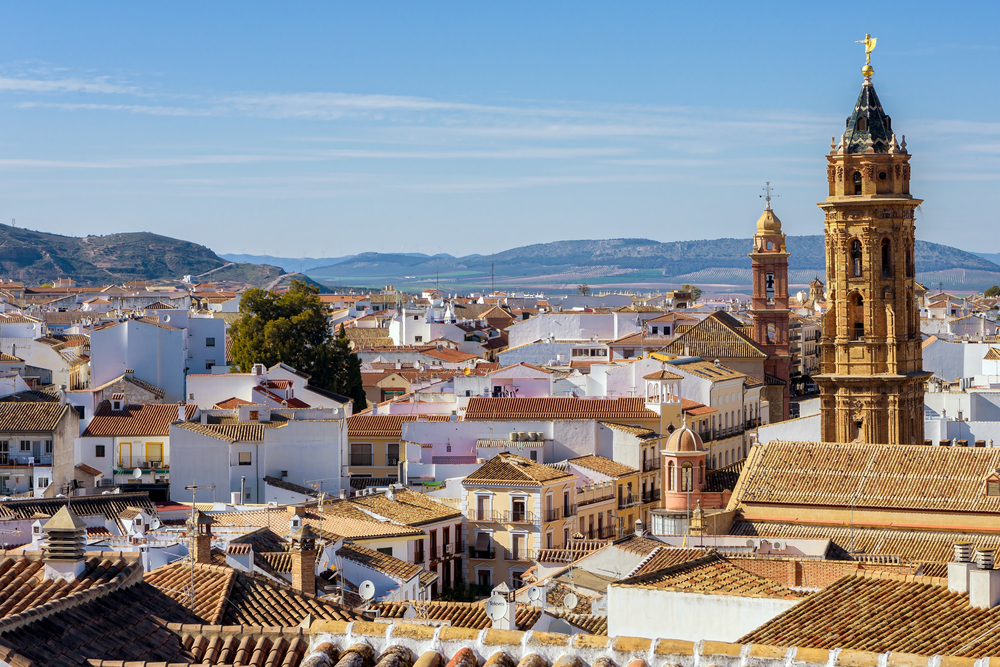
(877, 132)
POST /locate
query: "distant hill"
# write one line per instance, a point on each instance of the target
(38, 257)
(629, 262)
(291, 264)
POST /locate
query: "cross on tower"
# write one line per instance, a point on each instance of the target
(767, 194)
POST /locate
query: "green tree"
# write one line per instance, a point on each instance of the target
(291, 328)
(993, 291)
(583, 289)
(695, 291)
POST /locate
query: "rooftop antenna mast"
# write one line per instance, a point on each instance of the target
(193, 527)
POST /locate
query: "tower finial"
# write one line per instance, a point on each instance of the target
(767, 195)
(869, 43)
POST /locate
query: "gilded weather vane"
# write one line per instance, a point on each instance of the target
(869, 43)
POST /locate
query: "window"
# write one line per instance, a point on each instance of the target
(385, 550)
(993, 487)
(686, 478)
(254, 415)
(857, 304)
(856, 258)
(43, 482)
(392, 454)
(857, 182)
(670, 476)
(361, 455)
(99, 451)
(245, 458)
(81, 411)
(209, 342)
(26, 445)
(862, 124)
(48, 446)
(886, 258)
(656, 330)
(418, 339)
(209, 363)
(4, 453)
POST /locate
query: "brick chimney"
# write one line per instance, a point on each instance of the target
(303, 553)
(200, 531)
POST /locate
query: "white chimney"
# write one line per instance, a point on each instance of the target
(984, 582)
(181, 411)
(959, 568)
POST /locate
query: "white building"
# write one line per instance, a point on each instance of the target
(233, 450)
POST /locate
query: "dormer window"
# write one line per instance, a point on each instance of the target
(862, 124)
(993, 486)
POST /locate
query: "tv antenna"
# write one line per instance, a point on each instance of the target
(193, 527)
(767, 195)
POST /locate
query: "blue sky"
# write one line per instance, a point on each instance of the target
(322, 129)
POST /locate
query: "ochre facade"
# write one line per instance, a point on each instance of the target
(872, 380)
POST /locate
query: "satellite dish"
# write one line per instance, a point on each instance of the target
(366, 590)
(496, 607)
(534, 593)
(166, 318)
(137, 473)
(570, 601)
(561, 626)
(750, 543)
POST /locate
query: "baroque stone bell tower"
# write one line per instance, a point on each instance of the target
(769, 310)
(871, 375)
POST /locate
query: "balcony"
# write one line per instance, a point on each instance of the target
(484, 555)
(488, 516)
(629, 500)
(418, 557)
(520, 516)
(26, 461)
(649, 465)
(589, 495)
(444, 551)
(560, 513)
(520, 554)
(651, 496)
(602, 533)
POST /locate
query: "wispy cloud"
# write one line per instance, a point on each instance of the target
(100, 85)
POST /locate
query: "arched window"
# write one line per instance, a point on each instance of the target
(857, 306)
(862, 124)
(687, 482)
(909, 262)
(771, 333)
(670, 476)
(856, 258)
(886, 258)
(726, 458)
(701, 473)
(857, 182)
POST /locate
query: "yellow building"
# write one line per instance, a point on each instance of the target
(608, 497)
(515, 507)
(374, 446)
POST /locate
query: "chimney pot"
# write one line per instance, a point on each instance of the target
(984, 558)
(963, 552)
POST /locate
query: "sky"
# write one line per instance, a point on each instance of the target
(325, 129)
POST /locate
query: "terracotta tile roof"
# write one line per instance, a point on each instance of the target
(9, 358)
(710, 574)
(108, 506)
(409, 508)
(23, 585)
(211, 587)
(707, 369)
(576, 550)
(604, 465)
(511, 470)
(31, 417)
(634, 430)
(224, 645)
(90, 470)
(717, 336)
(385, 426)
(427, 578)
(289, 402)
(724, 478)
(555, 596)
(877, 476)
(241, 599)
(882, 612)
(664, 557)
(231, 403)
(662, 375)
(591, 624)
(390, 566)
(242, 432)
(992, 355)
(131, 379)
(135, 420)
(447, 354)
(460, 614)
(907, 546)
(639, 545)
(484, 408)
(349, 527)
